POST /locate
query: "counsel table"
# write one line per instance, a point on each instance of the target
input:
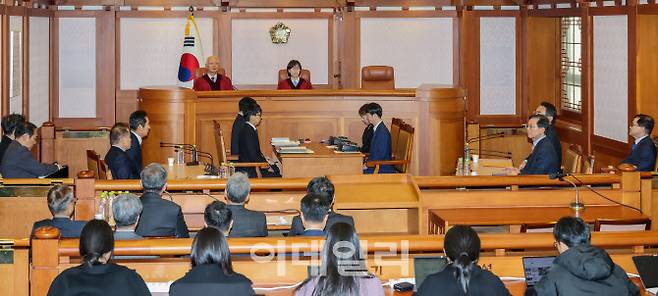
(323, 161)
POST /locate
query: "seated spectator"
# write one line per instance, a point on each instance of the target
(218, 215)
(9, 123)
(159, 217)
(18, 161)
(61, 204)
(643, 151)
(126, 209)
(246, 223)
(581, 269)
(117, 158)
(315, 212)
(323, 186)
(97, 275)
(463, 276)
(334, 278)
(212, 271)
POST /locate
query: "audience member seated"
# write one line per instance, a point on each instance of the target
(212, 271)
(315, 212)
(380, 145)
(159, 217)
(463, 276)
(245, 104)
(212, 80)
(643, 152)
(140, 125)
(126, 209)
(581, 269)
(250, 145)
(547, 109)
(294, 81)
(324, 187)
(119, 161)
(96, 275)
(18, 161)
(218, 215)
(61, 204)
(246, 223)
(543, 159)
(366, 138)
(334, 277)
(9, 123)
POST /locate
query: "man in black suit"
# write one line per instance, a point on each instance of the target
(139, 129)
(643, 151)
(218, 215)
(324, 187)
(366, 138)
(61, 204)
(159, 217)
(18, 161)
(245, 104)
(543, 159)
(315, 212)
(246, 223)
(117, 158)
(9, 123)
(250, 145)
(547, 109)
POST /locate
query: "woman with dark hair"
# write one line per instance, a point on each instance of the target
(96, 275)
(462, 276)
(294, 81)
(343, 271)
(212, 272)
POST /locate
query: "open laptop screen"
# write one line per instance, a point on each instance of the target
(535, 268)
(427, 265)
(647, 267)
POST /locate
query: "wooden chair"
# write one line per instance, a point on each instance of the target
(377, 77)
(638, 224)
(306, 74)
(98, 166)
(395, 131)
(573, 159)
(537, 228)
(588, 168)
(223, 156)
(401, 152)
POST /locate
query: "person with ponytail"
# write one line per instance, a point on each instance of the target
(462, 276)
(97, 275)
(343, 271)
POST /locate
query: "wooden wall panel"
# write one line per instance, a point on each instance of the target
(647, 66)
(72, 151)
(543, 61)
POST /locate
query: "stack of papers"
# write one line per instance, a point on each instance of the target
(297, 150)
(284, 142)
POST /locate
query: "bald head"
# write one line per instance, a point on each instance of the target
(212, 64)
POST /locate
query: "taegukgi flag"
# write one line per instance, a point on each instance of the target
(192, 53)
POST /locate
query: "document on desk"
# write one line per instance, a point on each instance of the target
(294, 150)
(284, 142)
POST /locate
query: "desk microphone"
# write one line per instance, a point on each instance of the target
(576, 206)
(185, 147)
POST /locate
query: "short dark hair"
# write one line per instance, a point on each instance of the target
(245, 103)
(542, 121)
(572, 232)
(118, 131)
(9, 122)
(314, 207)
(253, 110)
(362, 109)
(322, 186)
(59, 198)
(550, 110)
(96, 239)
(25, 128)
(292, 64)
(137, 118)
(210, 247)
(645, 121)
(462, 245)
(218, 215)
(374, 108)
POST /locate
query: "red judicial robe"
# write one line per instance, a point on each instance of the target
(204, 83)
(287, 84)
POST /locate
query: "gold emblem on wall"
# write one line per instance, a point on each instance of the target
(280, 33)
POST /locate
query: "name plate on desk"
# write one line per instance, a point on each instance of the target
(294, 150)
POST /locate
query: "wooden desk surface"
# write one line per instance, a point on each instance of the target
(320, 150)
(490, 166)
(183, 172)
(323, 161)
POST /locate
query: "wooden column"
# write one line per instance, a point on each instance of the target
(86, 207)
(630, 186)
(45, 259)
(47, 147)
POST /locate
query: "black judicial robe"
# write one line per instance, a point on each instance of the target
(99, 280)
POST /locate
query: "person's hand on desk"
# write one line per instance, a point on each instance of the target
(512, 171)
(523, 164)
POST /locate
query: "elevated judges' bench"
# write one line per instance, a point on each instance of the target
(180, 115)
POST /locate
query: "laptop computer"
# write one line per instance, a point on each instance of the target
(61, 173)
(534, 268)
(427, 265)
(647, 267)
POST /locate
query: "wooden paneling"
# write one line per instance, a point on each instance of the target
(543, 61)
(14, 276)
(647, 65)
(17, 214)
(72, 151)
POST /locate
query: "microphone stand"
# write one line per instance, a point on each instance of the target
(577, 205)
(185, 147)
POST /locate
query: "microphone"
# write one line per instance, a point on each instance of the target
(187, 147)
(577, 205)
(486, 137)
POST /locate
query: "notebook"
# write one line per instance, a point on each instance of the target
(647, 267)
(427, 265)
(535, 268)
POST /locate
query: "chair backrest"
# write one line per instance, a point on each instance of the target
(306, 74)
(377, 77)
(573, 159)
(588, 167)
(538, 228)
(404, 147)
(219, 142)
(655, 142)
(98, 166)
(395, 132)
(202, 71)
(639, 224)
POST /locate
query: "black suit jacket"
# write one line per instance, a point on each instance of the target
(3, 146)
(209, 279)
(297, 227)
(135, 153)
(19, 163)
(543, 159)
(249, 146)
(380, 149)
(551, 134)
(247, 223)
(100, 280)
(238, 123)
(161, 217)
(366, 138)
(120, 164)
(643, 155)
(68, 228)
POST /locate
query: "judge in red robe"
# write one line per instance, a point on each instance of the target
(212, 80)
(294, 81)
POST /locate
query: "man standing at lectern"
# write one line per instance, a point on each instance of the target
(213, 80)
